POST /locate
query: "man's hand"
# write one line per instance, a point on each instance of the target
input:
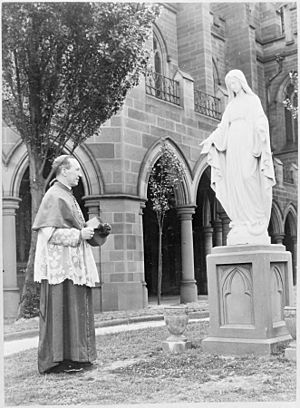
(87, 233)
(104, 229)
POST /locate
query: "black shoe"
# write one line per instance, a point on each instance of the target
(73, 370)
(86, 366)
(59, 368)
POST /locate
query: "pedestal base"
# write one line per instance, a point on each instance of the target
(188, 291)
(290, 352)
(239, 346)
(248, 288)
(176, 346)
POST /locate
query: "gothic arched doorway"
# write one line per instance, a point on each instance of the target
(290, 242)
(202, 230)
(171, 276)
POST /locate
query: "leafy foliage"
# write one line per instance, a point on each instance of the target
(166, 175)
(67, 67)
(31, 301)
(289, 104)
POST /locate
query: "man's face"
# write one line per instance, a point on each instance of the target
(72, 174)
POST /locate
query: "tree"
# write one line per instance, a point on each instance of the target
(166, 175)
(292, 105)
(67, 68)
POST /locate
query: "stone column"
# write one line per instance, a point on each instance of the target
(225, 227)
(144, 283)
(188, 288)
(218, 232)
(92, 203)
(278, 238)
(208, 243)
(294, 259)
(122, 256)
(11, 293)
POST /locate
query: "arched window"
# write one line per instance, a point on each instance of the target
(157, 56)
(160, 54)
(159, 63)
(291, 124)
(216, 78)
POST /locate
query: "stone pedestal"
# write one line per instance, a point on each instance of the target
(290, 353)
(176, 347)
(248, 288)
(176, 319)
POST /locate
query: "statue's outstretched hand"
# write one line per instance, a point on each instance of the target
(207, 143)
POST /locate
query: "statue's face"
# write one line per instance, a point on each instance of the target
(235, 85)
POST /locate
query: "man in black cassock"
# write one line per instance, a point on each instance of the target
(65, 266)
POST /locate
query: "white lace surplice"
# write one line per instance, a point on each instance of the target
(61, 254)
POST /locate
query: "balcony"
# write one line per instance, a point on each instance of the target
(162, 87)
(207, 105)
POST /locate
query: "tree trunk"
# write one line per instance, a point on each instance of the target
(29, 303)
(159, 271)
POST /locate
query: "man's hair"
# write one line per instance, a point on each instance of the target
(61, 162)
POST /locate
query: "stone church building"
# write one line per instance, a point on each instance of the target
(180, 100)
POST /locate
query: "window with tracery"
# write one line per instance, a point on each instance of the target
(157, 56)
(291, 123)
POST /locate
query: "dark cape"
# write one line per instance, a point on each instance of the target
(67, 331)
(58, 209)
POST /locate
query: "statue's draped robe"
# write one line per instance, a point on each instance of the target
(242, 173)
(65, 266)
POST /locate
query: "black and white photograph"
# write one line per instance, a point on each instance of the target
(149, 216)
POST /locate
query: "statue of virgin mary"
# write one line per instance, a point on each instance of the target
(242, 172)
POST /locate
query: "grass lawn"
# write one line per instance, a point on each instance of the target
(132, 368)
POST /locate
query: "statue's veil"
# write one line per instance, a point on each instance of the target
(236, 73)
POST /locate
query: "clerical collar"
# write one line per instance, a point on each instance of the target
(65, 185)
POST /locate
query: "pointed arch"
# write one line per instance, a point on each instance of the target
(160, 51)
(290, 215)
(279, 91)
(17, 162)
(198, 171)
(183, 193)
(276, 219)
(286, 89)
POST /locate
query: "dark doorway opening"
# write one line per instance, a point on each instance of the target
(171, 275)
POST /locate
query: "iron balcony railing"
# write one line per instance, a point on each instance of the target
(162, 87)
(207, 104)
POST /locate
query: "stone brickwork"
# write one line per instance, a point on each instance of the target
(122, 255)
(194, 43)
(200, 40)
